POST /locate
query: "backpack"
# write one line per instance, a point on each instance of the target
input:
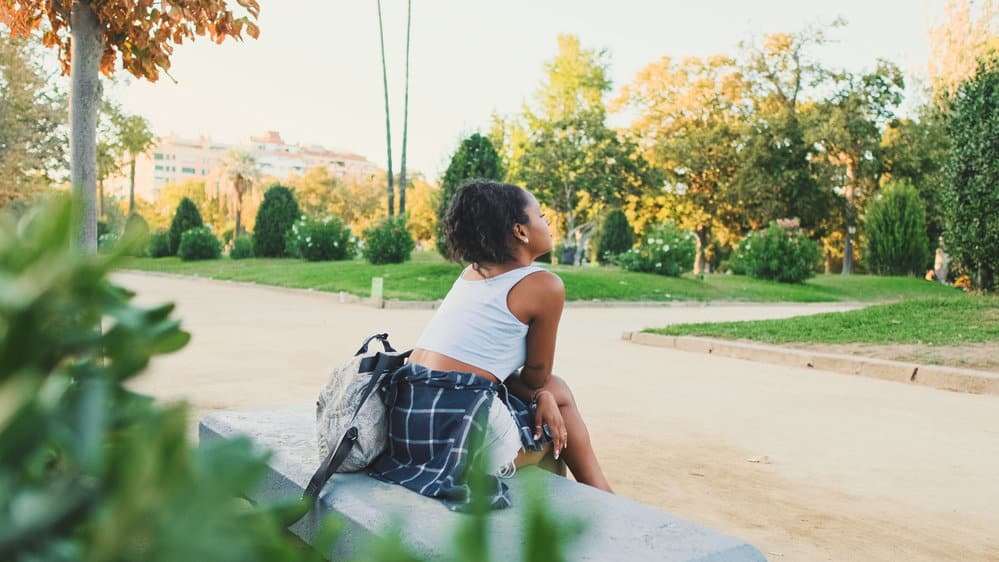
(352, 430)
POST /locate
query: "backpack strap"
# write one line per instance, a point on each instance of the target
(379, 365)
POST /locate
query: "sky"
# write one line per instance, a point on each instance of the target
(314, 75)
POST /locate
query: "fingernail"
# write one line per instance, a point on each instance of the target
(556, 454)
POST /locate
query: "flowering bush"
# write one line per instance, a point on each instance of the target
(782, 252)
(321, 240)
(389, 242)
(666, 250)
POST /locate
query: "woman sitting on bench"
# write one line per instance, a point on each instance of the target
(485, 360)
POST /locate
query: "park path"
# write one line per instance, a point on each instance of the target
(806, 465)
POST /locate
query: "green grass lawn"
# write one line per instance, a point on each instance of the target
(932, 321)
(428, 277)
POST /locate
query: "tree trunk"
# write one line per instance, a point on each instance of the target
(85, 100)
(700, 260)
(131, 186)
(100, 198)
(388, 128)
(239, 228)
(851, 223)
(405, 114)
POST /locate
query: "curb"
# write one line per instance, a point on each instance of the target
(955, 379)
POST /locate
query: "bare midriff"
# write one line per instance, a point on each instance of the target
(440, 362)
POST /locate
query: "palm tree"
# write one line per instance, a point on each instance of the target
(135, 137)
(388, 129)
(241, 170)
(405, 114)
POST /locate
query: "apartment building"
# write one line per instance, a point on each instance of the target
(176, 159)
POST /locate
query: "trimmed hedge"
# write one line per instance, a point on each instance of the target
(897, 243)
(388, 242)
(199, 244)
(185, 218)
(782, 252)
(277, 213)
(666, 250)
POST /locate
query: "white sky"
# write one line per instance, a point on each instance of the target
(315, 73)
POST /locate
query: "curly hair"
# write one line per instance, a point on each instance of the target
(479, 222)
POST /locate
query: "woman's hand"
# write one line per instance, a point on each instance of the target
(549, 414)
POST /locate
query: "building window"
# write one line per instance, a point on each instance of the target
(158, 168)
(188, 171)
(157, 156)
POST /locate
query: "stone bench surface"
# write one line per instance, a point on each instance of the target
(616, 528)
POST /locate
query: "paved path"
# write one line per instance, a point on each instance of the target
(806, 465)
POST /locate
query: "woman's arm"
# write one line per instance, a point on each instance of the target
(537, 301)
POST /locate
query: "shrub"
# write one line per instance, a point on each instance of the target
(896, 232)
(185, 218)
(325, 240)
(666, 250)
(242, 248)
(616, 237)
(159, 244)
(388, 242)
(276, 215)
(199, 244)
(138, 227)
(782, 252)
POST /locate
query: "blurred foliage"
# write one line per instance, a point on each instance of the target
(92, 471)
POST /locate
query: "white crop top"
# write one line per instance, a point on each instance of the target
(474, 324)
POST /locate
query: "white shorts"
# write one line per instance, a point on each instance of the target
(502, 440)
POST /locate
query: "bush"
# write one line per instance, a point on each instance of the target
(137, 226)
(159, 244)
(616, 237)
(325, 240)
(276, 215)
(782, 252)
(242, 248)
(666, 250)
(389, 242)
(896, 232)
(185, 218)
(199, 244)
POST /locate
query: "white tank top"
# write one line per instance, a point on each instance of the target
(474, 324)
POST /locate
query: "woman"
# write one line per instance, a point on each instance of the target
(498, 324)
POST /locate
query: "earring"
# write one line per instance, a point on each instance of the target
(524, 240)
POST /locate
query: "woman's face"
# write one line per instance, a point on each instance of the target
(538, 234)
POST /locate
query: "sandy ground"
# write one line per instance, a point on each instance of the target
(983, 356)
(805, 465)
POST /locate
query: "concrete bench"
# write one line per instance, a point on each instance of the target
(618, 529)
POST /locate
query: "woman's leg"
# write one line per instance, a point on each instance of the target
(578, 454)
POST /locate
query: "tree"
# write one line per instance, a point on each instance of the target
(616, 236)
(277, 213)
(136, 137)
(850, 136)
(896, 231)
(422, 223)
(972, 193)
(186, 218)
(571, 160)
(241, 171)
(688, 121)
(957, 43)
(405, 115)
(474, 158)
(775, 179)
(916, 150)
(109, 151)
(388, 124)
(32, 118)
(90, 37)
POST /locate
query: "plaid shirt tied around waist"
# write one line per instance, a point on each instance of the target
(435, 420)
